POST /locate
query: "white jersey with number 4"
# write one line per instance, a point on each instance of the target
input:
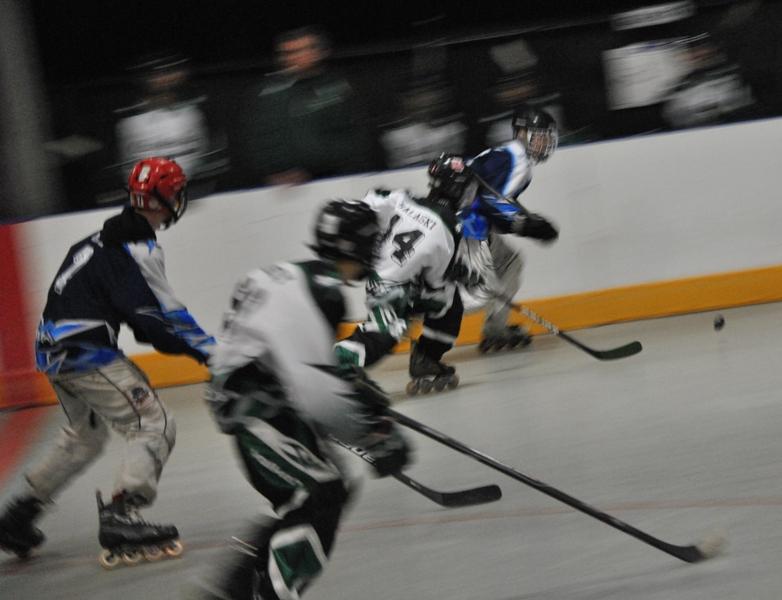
(417, 245)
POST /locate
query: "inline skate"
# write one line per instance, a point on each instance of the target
(428, 374)
(128, 539)
(17, 532)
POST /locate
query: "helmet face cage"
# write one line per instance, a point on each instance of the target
(540, 133)
(158, 183)
(347, 229)
(449, 177)
(541, 143)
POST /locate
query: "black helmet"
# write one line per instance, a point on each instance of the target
(347, 229)
(540, 131)
(448, 179)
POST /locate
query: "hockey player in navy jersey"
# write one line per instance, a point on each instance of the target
(114, 276)
(501, 174)
(276, 388)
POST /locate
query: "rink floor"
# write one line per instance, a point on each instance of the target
(679, 441)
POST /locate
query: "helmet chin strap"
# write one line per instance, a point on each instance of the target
(174, 217)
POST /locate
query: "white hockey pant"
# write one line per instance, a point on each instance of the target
(119, 396)
(508, 265)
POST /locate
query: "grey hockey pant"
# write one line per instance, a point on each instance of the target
(508, 264)
(116, 396)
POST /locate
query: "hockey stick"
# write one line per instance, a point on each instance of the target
(497, 194)
(624, 351)
(614, 353)
(707, 548)
(470, 497)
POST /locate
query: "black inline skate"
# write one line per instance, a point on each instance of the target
(17, 532)
(127, 538)
(510, 337)
(428, 374)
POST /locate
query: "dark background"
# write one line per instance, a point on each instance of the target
(81, 41)
(85, 49)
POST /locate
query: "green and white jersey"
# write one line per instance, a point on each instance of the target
(284, 319)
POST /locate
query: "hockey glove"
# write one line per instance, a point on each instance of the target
(385, 293)
(461, 273)
(535, 227)
(367, 391)
(387, 449)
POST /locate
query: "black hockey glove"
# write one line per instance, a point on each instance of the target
(535, 227)
(387, 449)
(461, 273)
(368, 391)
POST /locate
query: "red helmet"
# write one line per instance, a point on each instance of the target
(155, 183)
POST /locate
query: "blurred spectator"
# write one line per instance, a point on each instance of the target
(303, 121)
(516, 83)
(711, 91)
(170, 120)
(427, 125)
(510, 91)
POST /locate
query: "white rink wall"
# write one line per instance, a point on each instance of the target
(630, 211)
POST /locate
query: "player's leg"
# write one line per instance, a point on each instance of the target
(427, 371)
(120, 395)
(79, 443)
(134, 410)
(496, 333)
(280, 557)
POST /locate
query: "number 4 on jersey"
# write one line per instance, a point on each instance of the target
(405, 245)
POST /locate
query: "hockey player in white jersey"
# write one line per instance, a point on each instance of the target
(413, 277)
(276, 388)
(501, 174)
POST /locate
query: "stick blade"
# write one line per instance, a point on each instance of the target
(621, 352)
(709, 547)
(472, 497)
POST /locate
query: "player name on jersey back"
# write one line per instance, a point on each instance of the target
(416, 213)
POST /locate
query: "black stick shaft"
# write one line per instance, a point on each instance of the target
(624, 351)
(612, 354)
(685, 553)
(455, 499)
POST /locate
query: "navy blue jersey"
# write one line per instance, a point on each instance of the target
(112, 277)
(508, 170)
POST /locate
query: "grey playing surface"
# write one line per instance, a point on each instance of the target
(680, 440)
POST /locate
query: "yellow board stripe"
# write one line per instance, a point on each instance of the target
(569, 312)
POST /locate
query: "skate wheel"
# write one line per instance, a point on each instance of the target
(426, 386)
(132, 557)
(453, 382)
(440, 383)
(108, 560)
(175, 548)
(412, 388)
(153, 553)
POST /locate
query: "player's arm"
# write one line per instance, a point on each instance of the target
(138, 306)
(388, 305)
(505, 177)
(151, 264)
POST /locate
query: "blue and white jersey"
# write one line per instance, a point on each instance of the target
(507, 169)
(112, 277)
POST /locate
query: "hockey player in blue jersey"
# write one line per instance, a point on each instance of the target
(489, 263)
(111, 277)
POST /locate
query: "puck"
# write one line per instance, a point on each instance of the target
(719, 322)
